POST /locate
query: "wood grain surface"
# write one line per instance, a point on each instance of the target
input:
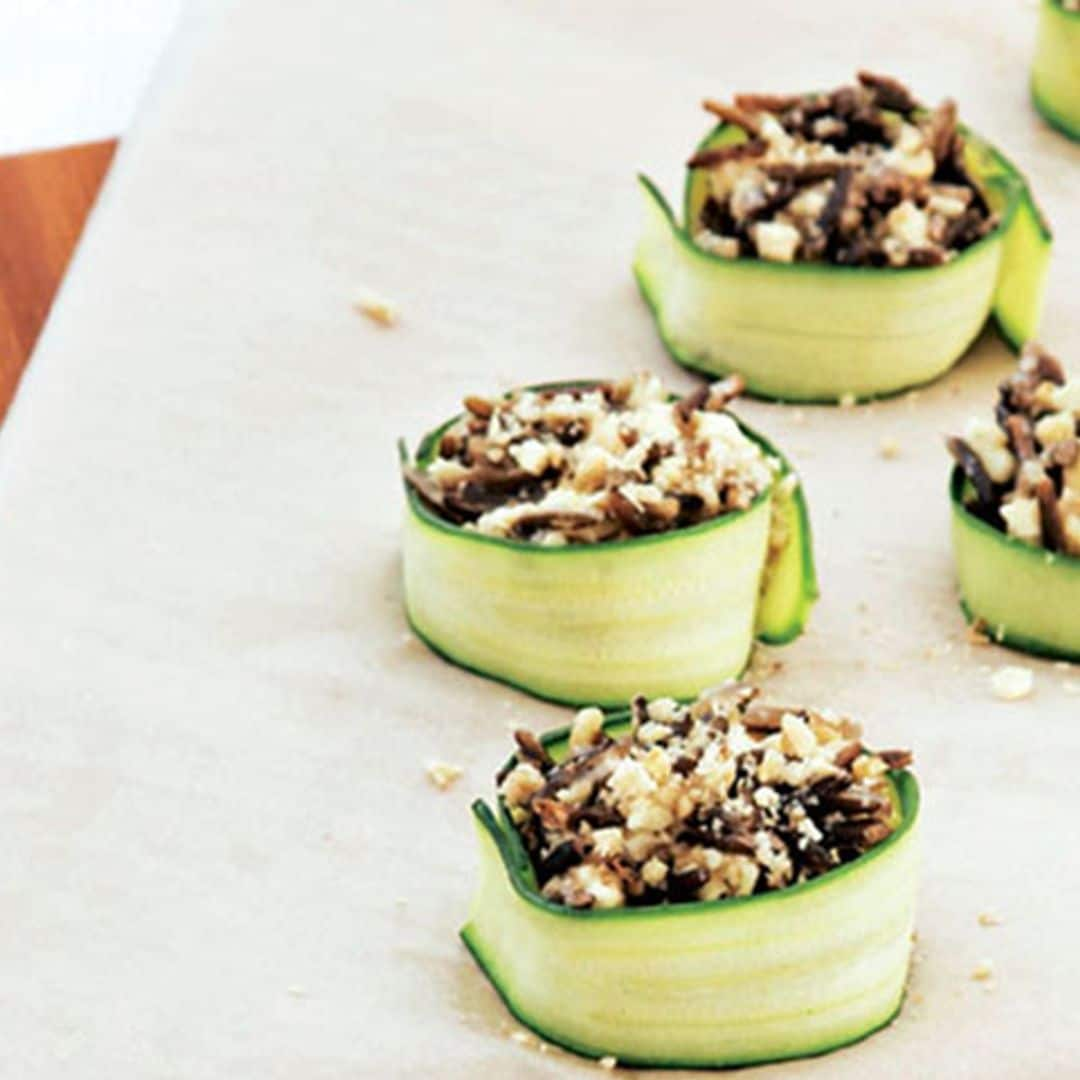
(44, 200)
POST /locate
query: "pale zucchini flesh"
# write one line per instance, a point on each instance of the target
(1055, 73)
(819, 332)
(785, 974)
(663, 615)
(1028, 598)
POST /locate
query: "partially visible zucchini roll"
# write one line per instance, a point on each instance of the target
(1016, 511)
(1055, 74)
(584, 541)
(716, 884)
(841, 246)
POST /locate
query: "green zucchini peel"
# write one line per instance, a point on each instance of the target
(1027, 597)
(791, 973)
(820, 333)
(665, 614)
(1055, 72)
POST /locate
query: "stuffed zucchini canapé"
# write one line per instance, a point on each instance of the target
(713, 884)
(1055, 73)
(583, 540)
(841, 245)
(1016, 510)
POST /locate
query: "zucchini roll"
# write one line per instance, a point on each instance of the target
(715, 884)
(841, 246)
(1055, 74)
(1016, 511)
(583, 541)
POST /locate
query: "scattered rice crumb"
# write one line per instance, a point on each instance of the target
(1012, 683)
(444, 775)
(524, 1038)
(983, 972)
(989, 918)
(378, 310)
(846, 401)
(608, 1062)
(889, 448)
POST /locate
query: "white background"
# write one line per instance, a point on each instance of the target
(72, 70)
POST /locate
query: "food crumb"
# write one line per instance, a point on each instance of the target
(444, 775)
(375, 308)
(983, 972)
(524, 1038)
(1011, 683)
(608, 1062)
(889, 448)
(976, 634)
(989, 918)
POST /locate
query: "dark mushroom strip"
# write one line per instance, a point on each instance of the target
(533, 749)
(712, 156)
(974, 470)
(941, 131)
(889, 93)
(1053, 528)
(1021, 433)
(731, 114)
(1044, 366)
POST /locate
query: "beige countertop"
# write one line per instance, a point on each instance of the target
(221, 854)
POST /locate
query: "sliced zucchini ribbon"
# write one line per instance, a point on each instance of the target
(783, 974)
(665, 614)
(1055, 74)
(1027, 597)
(820, 332)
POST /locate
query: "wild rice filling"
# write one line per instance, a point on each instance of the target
(862, 176)
(604, 461)
(725, 797)
(1024, 464)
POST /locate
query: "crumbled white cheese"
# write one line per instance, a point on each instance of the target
(587, 727)
(908, 224)
(522, 782)
(947, 205)
(797, 740)
(990, 444)
(810, 202)
(1011, 683)
(629, 780)
(776, 241)
(532, 455)
(1022, 519)
(444, 775)
(654, 872)
(726, 247)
